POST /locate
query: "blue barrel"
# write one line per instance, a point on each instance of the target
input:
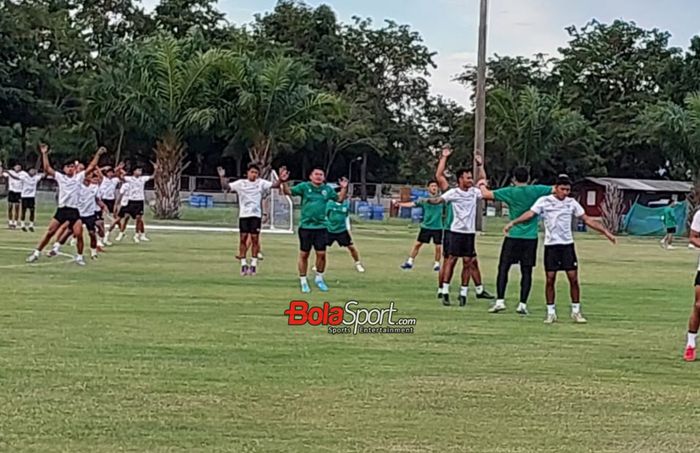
(364, 212)
(207, 201)
(405, 213)
(416, 214)
(195, 200)
(359, 205)
(377, 212)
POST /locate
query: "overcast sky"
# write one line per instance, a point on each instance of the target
(516, 27)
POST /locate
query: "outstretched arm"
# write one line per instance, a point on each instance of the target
(597, 226)
(44, 149)
(526, 217)
(480, 169)
(95, 160)
(405, 204)
(283, 177)
(485, 192)
(436, 200)
(442, 164)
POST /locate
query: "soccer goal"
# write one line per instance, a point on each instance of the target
(278, 210)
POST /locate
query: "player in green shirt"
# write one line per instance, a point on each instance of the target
(520, 246)
(431, 228)
(671, 225)
(313, 232)
(337, 224)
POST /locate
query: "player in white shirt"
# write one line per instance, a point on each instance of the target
(14, 196)
(69, 183)
(250, 192)
(694, 321)
(29, 182)
(137, 196)
(121, 216)
(558, 212)
(108, 195)
(88, 205)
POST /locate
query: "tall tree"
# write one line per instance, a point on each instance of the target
(180, 17)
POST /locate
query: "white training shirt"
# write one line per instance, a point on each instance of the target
(695, 226)
(250, 194)
(137, 187)
(29, 184)
(558, 216)
(108, 189)
(464, 205)
(87, 203)
(69, 189)
(15, 185)
(124, 193)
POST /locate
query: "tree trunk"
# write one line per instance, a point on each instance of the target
(239, 164)
(261, 155)
(363, 177)
(119, 146)
(23, 139)
(170, 157)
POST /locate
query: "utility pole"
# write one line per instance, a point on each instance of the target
(480, 108)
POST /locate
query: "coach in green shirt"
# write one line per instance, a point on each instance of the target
(313, 233)
(520, 246)
(431, 228)
(670, 223)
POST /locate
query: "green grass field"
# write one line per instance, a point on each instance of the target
(163, 347)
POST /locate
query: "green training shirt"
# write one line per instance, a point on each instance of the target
(337, 216)
(519, 200)
(313, 204)
(432, 215)
(670, 217)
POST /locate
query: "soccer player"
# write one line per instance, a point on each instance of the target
(29, 182)
(470, 265)
(108, 196)
(431, 228)
(520, 246)
(69, 183)
(337, 225)
(671, 225)
(250, 192)
(558, 212)
(137, 196)
(14, 196)
(694, 321)
(313, 232)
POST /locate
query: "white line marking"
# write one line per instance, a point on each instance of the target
(49, 263)
(204, 229)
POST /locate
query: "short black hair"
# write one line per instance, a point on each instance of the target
(462, 171)
(521, 174)
(254, 166)
(432, 181)
(69, 162)
(563, 180)
(317, 167)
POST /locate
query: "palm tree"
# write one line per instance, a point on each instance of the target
(268, 102)
(166, 92)
(532, 129)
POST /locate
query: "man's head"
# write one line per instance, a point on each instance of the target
(433, 187)
(253, 172)
(69, 168)
(32, 172)
(17, 167)
(521, 175)
(465, 178)
(138, 171)
(317, 176)
(110, 173)
(562, 188)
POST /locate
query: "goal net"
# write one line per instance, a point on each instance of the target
(278, 210)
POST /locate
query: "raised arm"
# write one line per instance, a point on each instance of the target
(95, 160)
(526, 217)
(44, 150)
(442, 164)
(485, 192)
(597, 226)
(282, 178)
(480, 169)
(343, 189)
(223, 179)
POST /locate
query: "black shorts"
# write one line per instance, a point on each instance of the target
(123, 212)
(461, 245)
(14, 197)
(671, 230)
(445, 243)
(250, 225)
(560, 258)
(426, 235)
(70, 215)
(98, 216)
(697, 279)
(89, 222)
(135, 208)
(343, 239)
(109, 204)
(519, 251)
(28, 203)
(316, 238)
